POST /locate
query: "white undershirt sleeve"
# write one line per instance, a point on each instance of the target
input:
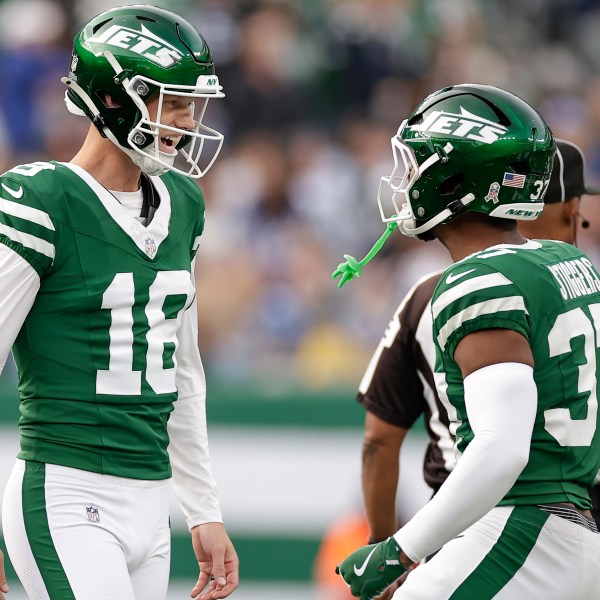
(501, 403)
(19, 285)
(193, 482)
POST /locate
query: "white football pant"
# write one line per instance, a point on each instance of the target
(77, 535)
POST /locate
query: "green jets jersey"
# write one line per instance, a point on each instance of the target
(96, 353)
(550, 293)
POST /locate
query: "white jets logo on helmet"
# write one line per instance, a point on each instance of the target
(466, 125)
(143, 42)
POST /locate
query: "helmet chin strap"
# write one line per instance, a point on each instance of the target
(148, 164)
(74, 109)
(71, 106)
(451, 209)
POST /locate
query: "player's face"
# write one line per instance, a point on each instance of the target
(175, 111)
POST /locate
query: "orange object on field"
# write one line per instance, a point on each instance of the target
(343, 537)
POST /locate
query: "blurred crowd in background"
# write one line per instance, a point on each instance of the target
(314, 90)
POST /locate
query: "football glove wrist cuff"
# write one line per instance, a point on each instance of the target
(371, 569)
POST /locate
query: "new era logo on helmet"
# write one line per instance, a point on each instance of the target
(143, 42)
(466, 125)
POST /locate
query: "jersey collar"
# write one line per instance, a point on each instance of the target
(147, 239)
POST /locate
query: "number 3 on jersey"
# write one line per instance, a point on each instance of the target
(120, 379)
(566, 430)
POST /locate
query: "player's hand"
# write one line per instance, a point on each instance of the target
(371, 569)
(218, 562)
(3, 584)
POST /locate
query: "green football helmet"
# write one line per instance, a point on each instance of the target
(467, 148)
(132, 53)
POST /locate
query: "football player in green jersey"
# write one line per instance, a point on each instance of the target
(98, 304)
(516, 325)
(398, 385)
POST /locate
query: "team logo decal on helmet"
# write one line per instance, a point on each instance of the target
(463, 125)
(133, 54)
(142, 42)
(457, 141)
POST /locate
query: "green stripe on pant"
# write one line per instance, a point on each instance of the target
(506, 556)
(38, 532)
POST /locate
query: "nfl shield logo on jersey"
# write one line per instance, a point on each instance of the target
(150, 247)
(93, 515)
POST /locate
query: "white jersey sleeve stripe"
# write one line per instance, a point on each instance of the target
(26, 212)
(391, 332)
(488, 307)
(445, 443)
(27, 240)
(20, 285)
(467, 287)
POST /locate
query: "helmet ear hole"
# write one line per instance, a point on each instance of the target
(108, 100)
(449, 185)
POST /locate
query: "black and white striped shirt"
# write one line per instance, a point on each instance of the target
(398, 384)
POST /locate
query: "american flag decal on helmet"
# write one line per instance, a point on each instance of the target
(513, 180)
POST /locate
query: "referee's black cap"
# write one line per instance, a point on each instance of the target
(568, 174)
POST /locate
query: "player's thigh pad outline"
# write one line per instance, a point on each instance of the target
(512, 552)
(100, 535)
